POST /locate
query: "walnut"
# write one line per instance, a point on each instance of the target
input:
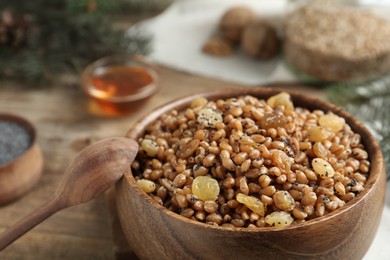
(234, 21)
(260, 40)
(218, 47)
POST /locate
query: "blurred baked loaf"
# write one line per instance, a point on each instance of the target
(334, 43)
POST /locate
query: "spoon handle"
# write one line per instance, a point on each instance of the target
(22, 226)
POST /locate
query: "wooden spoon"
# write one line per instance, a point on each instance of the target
(94, 170)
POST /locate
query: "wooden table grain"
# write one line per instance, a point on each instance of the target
(60, 112)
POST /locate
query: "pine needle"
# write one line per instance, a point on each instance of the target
(370, 103)
(66, 36)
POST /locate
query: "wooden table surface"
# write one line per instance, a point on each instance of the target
(65, 125)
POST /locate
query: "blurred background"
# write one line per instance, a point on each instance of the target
(47, 45)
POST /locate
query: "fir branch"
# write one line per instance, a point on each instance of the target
(103, 6)
(370, 103)
(66, 36)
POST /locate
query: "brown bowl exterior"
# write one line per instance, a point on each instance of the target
(155, 232)
(20, 175)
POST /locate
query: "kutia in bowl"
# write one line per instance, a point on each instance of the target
(252, 173)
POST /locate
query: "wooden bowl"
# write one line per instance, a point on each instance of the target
(18, 176)
(346, 233)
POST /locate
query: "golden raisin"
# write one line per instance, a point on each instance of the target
(332, 122)
(198, 102)
(273, 120)
(279, 219)
(281, 99)
(252, 203)
(205, 188)
(209, 117)
(284, 201)
(150, 147)
(146, 185)
(317, 134)
(322, 168)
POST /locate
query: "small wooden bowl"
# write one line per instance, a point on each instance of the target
(155, 232)
(17, 177)
(136, 79)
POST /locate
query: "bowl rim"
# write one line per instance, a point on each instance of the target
(377, 168)
(28, 126)
(136, 61)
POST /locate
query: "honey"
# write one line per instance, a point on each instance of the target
(120, 81)
(119, 88)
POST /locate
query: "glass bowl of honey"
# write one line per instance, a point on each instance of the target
(117, 85)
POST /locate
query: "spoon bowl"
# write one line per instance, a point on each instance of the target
(94, 170)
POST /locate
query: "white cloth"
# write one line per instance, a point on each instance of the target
(379, 248)
(180, 32)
